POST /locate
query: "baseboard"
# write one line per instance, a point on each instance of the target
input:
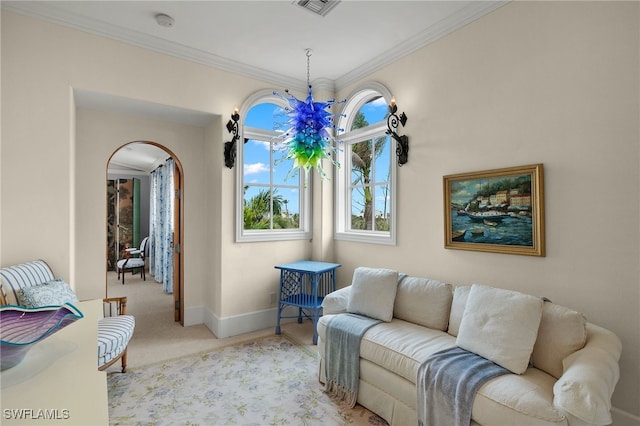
(237, 324)
(622, 418)
(194, 316)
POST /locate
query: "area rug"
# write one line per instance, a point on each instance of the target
(268, 381)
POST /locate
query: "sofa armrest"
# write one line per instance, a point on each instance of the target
(336, 302)
(589, 378)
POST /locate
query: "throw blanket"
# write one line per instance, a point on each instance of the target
(342, 355)
(447, 383)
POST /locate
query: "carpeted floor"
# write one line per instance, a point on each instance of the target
(265, 381)
(160, 345)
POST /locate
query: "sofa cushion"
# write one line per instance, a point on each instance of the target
(423, 301)
(460, 295)
(373, 293)
(500, 325)
(562, 332)
(401, 346)
(51, 293)
(518, 399)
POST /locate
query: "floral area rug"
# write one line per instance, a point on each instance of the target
(268, 381)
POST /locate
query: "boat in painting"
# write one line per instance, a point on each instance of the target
(458, 235)
(492, 215)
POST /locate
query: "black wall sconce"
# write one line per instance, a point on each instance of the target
(402, 141)
(230, 147)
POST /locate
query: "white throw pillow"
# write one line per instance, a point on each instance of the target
(373, 293)
(500, 325)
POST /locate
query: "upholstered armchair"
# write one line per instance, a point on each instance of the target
(33, 285)
(132, 259)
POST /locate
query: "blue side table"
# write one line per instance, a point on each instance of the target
(304, 284)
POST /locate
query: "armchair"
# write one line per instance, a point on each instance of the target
(33, 284)
(114, 332)
(133, 258)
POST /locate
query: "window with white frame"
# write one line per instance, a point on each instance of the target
(365, 184)
(273, 203)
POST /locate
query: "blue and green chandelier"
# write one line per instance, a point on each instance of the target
(309, 137)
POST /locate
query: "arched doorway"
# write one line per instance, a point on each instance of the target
(143, 158)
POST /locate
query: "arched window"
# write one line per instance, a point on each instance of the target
(365, 184)
(273, 203)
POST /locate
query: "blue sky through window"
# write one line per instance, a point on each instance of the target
(257, 155)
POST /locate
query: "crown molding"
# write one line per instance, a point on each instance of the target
(444, 27)
(46, 12)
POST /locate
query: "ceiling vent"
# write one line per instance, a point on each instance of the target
(319, 7)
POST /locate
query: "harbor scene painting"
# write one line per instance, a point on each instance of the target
(497, 210)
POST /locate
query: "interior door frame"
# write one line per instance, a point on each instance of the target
(178, 252)
(178, 236)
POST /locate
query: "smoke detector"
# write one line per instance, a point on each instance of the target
(164, 20)
(319, 7)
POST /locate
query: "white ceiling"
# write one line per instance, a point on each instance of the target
(266, 39)
(137, 158)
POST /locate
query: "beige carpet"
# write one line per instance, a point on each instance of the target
(158, 337)
(270, 380)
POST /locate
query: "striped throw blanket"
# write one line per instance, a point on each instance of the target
(342, 355)
(447, 383)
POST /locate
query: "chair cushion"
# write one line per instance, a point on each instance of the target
(114, 334)
(13, 278)
(134, 262)
(51, 293)
(500, 325)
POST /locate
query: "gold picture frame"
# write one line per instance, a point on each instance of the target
(498, 211)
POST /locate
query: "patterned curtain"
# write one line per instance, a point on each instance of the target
(162, 208)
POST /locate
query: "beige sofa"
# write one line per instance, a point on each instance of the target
(568, 377)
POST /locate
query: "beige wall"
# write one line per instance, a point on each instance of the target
(555, 83)
(54, 166)
(542, 82)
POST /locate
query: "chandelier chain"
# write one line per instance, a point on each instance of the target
(308, 52)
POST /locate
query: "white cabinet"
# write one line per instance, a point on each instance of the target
(58, 381)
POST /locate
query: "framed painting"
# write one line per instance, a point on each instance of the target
(500, 211)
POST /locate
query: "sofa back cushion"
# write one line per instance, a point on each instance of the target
(423, 301)
(460, 295)
(14, 278)
(562, 332)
